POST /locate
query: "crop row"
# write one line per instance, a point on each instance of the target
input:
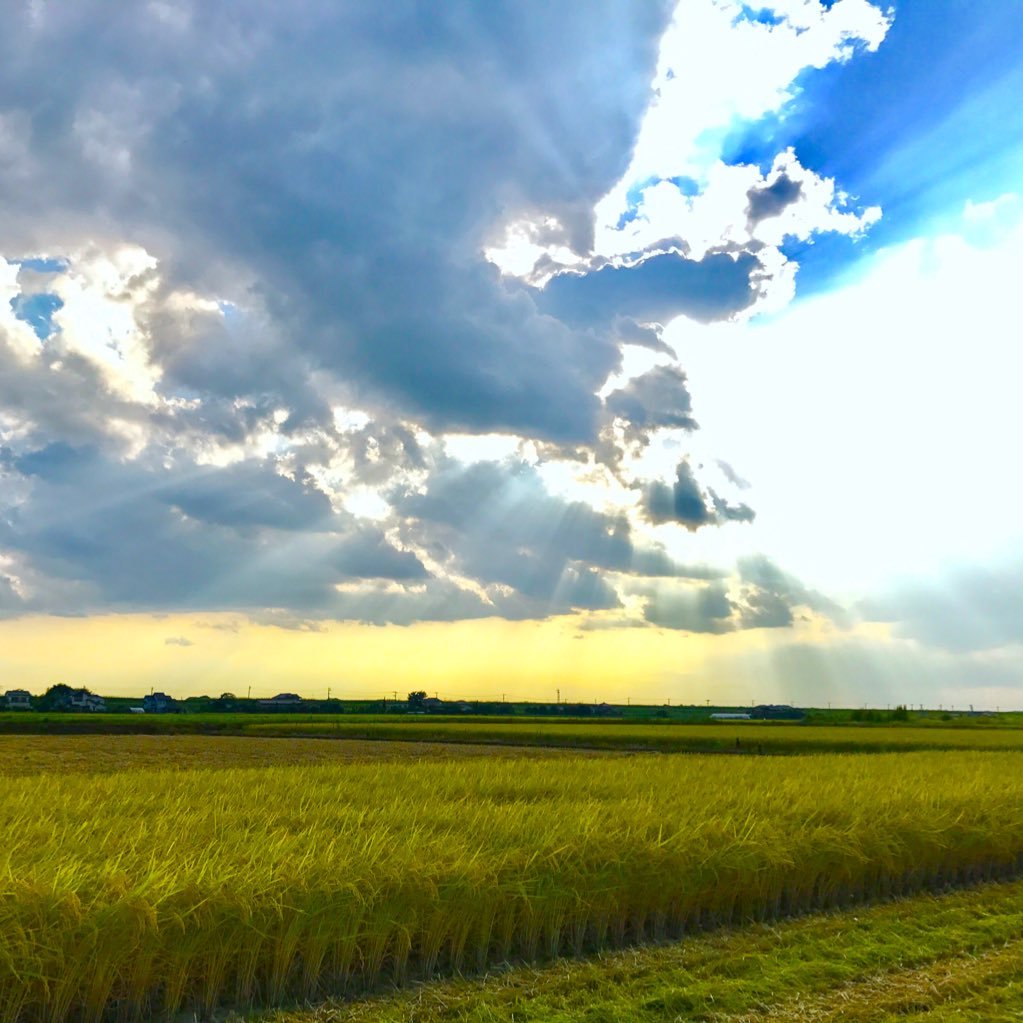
(733, 737)
(65, 754)
(140, 893)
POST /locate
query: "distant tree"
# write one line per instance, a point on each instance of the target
(417, 700)
(901, 713)
(57, 697)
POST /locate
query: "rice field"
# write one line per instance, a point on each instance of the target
(139, 893)
(730, 737)
(37, 754)
(954, 957)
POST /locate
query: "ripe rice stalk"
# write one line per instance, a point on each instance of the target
(146, 892)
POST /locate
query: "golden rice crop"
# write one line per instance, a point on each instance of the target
(34, 754)
(145, 892)
(735, 736)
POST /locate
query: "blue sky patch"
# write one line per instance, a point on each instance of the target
(929, 121)
(43, 264)
(37, 311)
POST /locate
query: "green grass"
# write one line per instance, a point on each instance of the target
(954, 958)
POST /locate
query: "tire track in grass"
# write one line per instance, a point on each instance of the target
(962, 987)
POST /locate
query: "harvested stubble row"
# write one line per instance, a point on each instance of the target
(139, 893)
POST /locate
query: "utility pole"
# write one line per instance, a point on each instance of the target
(559, 696)
(328, 692)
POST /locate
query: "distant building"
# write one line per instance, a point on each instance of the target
(723, 716)
(83, 700)
(18, 699)
(282, 701)
(159, 703)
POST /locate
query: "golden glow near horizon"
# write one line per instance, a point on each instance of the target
(192, 654)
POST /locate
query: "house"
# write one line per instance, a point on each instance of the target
(83, 700)
(159, 703)
(282, 701)
(722, 716)
(18, 699)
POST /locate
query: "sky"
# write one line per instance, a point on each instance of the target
(632, 350)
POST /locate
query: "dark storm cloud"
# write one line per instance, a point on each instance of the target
(499, 523)
(249, 494)
(726, 512)
(772, 199)
(685, 503)
(367, 554)
(761, 597)
(330, 174)
(344, 166)
(655, 290)
(240, 537)
(706, 609)
(659, 397)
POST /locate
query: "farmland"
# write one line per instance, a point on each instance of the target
(957, 957)
(711, 737)
(148, 891)
(735, 737)
(37, 754)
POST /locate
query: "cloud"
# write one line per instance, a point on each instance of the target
(968, 607)
(497, 525)
(769, 596)
(177, 641)
(707, 609)
(758, 595)
(772, 200)
(684, 502)
(343, 212)
(658, 288)
(149, 537)
(245, 297)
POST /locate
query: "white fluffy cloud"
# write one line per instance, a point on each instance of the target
(723, 65)
(719, 65)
